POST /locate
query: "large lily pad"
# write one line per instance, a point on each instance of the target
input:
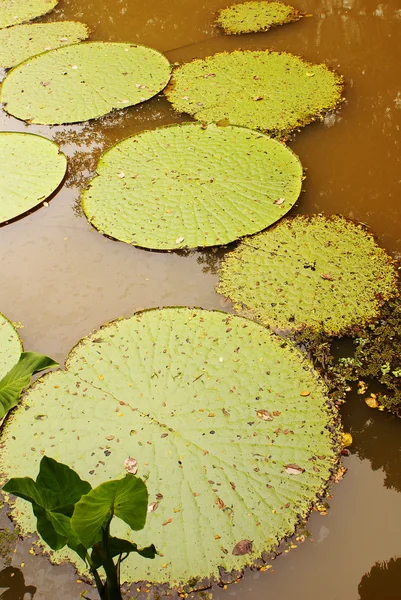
(83, 81)
(23, 41)
(326, 273)
(275, 92)
(230, 427)
(31, 168)
(191, 185)
(10, 346)
(13, 12)
(253, 16)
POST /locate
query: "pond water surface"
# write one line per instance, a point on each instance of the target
(61, 279)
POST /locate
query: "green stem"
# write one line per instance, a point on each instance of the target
(98, 581)
(112, 589)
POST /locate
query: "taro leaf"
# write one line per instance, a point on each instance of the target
(10, 346)
(117, 546)
(124, 498)
(19, 378)
(23, 41)
(179, 390)
(275, 92)
(13, 12)
(53, 496)
(325, 273)
(31, 169)
(83, 81)
(191, 185)
(253, 16)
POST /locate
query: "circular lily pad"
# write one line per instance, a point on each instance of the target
(83, 81)
(326, 273)
(191, 185)
(10, 346)
(13, 12)
(253, 16)
(230, 427)
(275, 92)
(32, 167)
(23, 41)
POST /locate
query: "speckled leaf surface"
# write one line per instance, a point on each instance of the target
(13, 12)
(250, 17)
(31, 168)
(190, 185)
(20, 42)
(326, 273)
(10, 346)
(213, 408)
(83, 81)
(275, 92)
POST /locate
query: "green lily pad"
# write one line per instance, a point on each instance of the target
(191, 185)
(83, 81)
(32, 167)
(229, 426)
(13, 12)
(23, 41)
(253, 16)
(275, 92)
(10, 346)
(326, 273)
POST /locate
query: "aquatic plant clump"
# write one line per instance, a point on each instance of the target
(254, 16)
(13, 12)
(83, 81)
(31, 169)
(20, 42)
(323, 273)
(274, 92)
(229, 426)
(192, 186)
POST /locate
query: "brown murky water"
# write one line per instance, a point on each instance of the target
(61, 279)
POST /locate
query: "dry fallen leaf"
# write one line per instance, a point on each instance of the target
(131, 465)
(264, 415)
(346, 439)
(327, 276)
(294, 469)
(152, 507)
(306, 393)
(279, 201)
(243, 547)
(372, 401)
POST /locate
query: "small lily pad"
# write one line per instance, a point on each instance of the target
(275, 92)
(10, 346)
(325, 273)
(176, 392)
(23, 41)
(83, 81)
(253, 16)
(31, 168)
(13, 12)
(191, 185)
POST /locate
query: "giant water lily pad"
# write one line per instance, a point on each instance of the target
(13, 12)
(191, 185)
(83, 81)
(10, 346)
(253, 16)
(275, 92)
(229, 426)
(31, 168)
(23, 41)
(326, 273)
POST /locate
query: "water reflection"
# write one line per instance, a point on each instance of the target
(383, 579)
(13, 579)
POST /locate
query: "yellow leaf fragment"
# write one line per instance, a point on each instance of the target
(346, 439)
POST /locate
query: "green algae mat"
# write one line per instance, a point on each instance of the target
(23, 41)
(13, 12)
(229, 426)
(31, 169)
(325, 273)
(250, 17)
(192, 186)
(83, 81)
(275, 92)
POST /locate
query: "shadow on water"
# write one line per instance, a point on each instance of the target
(381, 577)
(13, 579)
